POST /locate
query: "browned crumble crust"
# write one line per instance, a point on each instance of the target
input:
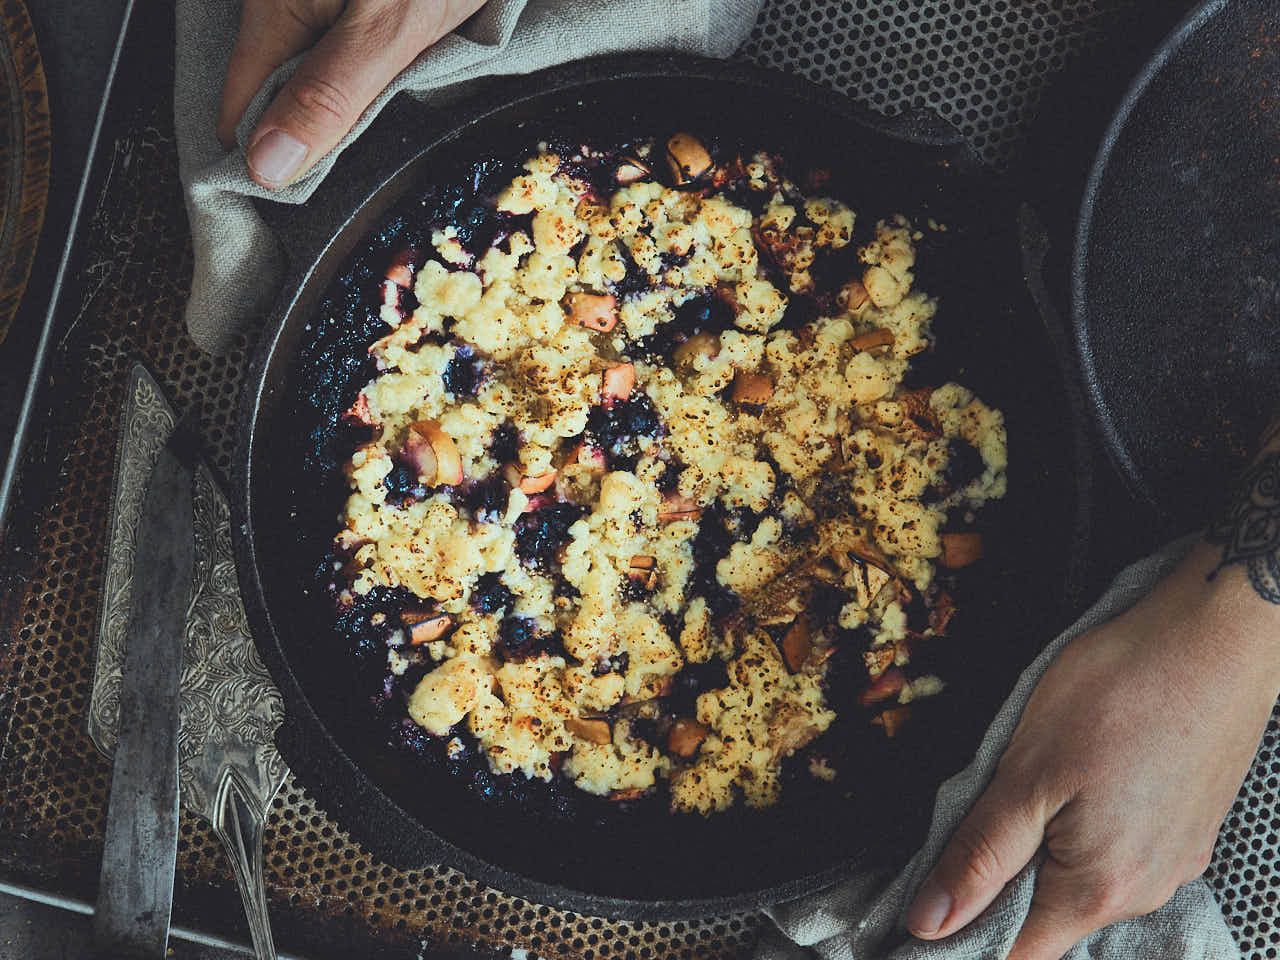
(563, 497)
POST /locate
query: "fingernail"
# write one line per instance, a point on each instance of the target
(929, 911)
(277, 156)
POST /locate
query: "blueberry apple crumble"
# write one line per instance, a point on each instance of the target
(638, 461)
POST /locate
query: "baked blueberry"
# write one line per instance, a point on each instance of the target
(490, 594)
(504, 446)
(487, 498)
(402, 484)
(462, 374)
(541, 533)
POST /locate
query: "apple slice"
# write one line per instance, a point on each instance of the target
(879, 660)
(433, 454)
(631, 793)
(402, 267)
(961, 549)
(421, 458)
(941, 613)
(699, 345)
(538, 501)
(892, 719)
(915, 405)
(592, 731)
(617, 383)
(411, 617)
(796, 645)
(594, 311)
(885, 687)
(430, 629)
(629, 171)
(675, 507)
(687, 158)
(685, 737)
(752, 388)
(532, 485)
(644, 570)
(853, 296)
(879, 337)
(868, 582)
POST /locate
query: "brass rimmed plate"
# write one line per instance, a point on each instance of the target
(24, 154)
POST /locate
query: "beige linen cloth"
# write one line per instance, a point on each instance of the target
(237, 259)
(236, 270)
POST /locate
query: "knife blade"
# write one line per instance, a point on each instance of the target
(135, 891)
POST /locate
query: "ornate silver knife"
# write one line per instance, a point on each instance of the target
(229, 769)
(135, 890)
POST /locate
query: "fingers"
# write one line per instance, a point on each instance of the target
(371, 42)
(1067, 907)
(996, 840)
(270, 33)
(1109, 884)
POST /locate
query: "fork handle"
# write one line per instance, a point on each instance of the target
(240, 828)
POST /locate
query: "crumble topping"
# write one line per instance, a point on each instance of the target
(643, 470)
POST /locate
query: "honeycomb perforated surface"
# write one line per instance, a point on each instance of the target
(982, 64)
(1243, 871)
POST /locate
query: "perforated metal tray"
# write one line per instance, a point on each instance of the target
(981, 63)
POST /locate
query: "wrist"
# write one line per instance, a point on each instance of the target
(1231, 619)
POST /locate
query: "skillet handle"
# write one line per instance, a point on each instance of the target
(304, 228)
(919, 125)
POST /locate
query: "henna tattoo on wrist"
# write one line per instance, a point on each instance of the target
(1249, 529)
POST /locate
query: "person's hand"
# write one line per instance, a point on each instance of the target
(357, 49)
(1124, 764)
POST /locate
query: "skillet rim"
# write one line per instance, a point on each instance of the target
(1100, 412)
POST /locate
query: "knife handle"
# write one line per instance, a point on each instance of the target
(240, 828)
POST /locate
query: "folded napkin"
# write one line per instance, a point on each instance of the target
(237, 259)
(863, 918)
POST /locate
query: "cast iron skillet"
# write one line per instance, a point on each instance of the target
(647, 864)
(1176, 274)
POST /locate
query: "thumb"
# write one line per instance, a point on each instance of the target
(371, 42)
(999, 836)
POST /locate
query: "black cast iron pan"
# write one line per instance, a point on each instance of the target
(645, 863)
(1176, 274)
